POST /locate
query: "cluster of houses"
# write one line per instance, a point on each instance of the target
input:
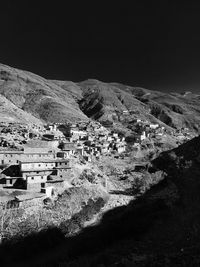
(143, 130)
(42, 163)
(154, 130)
(37, 158)
(15, 135)
(36, 168)
(93, 140)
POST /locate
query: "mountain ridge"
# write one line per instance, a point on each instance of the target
(66, 101)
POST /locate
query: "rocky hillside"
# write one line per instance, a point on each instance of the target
(161, 228)
(43, 99)
(109, 100)
(61, 101)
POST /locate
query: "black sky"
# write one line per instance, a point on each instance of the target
(155, 44)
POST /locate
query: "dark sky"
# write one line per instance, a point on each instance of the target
(155, 44)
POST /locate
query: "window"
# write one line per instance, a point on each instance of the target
(39, 165)
(32, 178)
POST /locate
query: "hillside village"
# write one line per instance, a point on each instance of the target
(36, 161)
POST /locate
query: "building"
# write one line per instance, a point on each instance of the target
(37, 173)
(10, 157)
(68, 149)
(80, 150)
(154, 126)
(143, 136)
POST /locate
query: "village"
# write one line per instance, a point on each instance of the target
(36, 161)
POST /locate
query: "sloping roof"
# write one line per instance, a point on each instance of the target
(12, 171)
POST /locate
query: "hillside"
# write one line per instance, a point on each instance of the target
(105, 101)
(67, 101)
(161, 228)
(37, 96)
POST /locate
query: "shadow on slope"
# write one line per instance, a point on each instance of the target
(165, 221)
(51, 247)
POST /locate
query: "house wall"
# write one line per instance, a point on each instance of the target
(62, 164)
(33, 173)
(61, 155)
(35, 187)
(14, 158)
(28, 166)
(10, 158)
(36, 179)
(37, 156)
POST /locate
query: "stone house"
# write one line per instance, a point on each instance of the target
(154, 126)
(37, 173)
(68, 148)
(80, 150)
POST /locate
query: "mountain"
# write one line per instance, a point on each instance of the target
(66, 101)
(105, 100)
(43, 99)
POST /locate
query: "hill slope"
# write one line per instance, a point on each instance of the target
(41, 98)
(161, 228)
(106, 100)
(65, 101)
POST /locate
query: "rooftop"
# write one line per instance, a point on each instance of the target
(11, 152)
(43, 161)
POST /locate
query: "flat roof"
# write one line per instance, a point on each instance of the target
(44, 161)
(22, 152)
(11, 152)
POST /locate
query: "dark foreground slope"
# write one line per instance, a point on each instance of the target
(161, 228)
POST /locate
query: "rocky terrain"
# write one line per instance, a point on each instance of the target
(22, 92)
(32, 94)
(160, 228)
(121, 216)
